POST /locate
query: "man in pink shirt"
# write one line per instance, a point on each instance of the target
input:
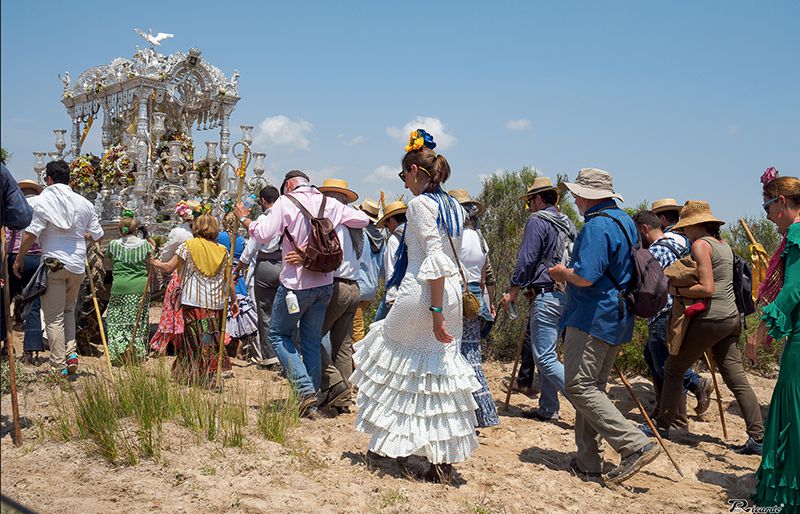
(312, 289)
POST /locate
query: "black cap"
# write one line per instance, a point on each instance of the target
(290, 175)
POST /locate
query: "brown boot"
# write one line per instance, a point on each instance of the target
(439, 473)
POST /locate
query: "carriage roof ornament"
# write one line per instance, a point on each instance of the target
(154, 40)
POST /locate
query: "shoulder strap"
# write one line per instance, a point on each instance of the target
(627, 238)
(458, 259)
(322, 207)
(302, 208)
(668, 246)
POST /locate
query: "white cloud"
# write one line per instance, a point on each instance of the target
(518, 125)
(281, 130)
(434, 126)
(353, 141)
(382, 174)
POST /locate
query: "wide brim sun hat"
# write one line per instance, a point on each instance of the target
(696, 212)
(390, 210)
(540, 184)
(464, 198)
(592, 184)
(335, 185)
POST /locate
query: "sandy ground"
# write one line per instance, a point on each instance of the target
(521, 466)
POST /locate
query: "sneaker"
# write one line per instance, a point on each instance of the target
(703, 396)
(573, 465)
(750, 447)
(72, 363)
(538, 416)
(663, 432)
(633, 463)
(333, 394)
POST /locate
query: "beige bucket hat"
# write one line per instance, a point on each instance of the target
(392, 209)
(695, 212)
(592, 184)
(463, 197)
(335, 185)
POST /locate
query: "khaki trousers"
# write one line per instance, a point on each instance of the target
(338, 366)
(359, 330)
(58, 308)
(587, 363)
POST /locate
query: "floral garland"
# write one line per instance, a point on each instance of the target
(204, 172)
(111, 176)
(85, 175)
(187, 148)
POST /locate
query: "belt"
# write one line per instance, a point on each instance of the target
(345, 280)
(539, 290)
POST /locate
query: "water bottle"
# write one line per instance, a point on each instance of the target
(249, 201)
(512, 312)
(291, 303)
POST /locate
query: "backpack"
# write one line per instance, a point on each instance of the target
(564, 244)
(323, 253)
(743, 286)
(649, 288)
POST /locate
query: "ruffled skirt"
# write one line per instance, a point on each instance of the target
(246, 323)
(471, 350)
(779, 473)
(415, 400)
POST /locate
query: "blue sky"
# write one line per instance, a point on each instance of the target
(691, 100)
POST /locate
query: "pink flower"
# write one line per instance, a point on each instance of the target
(769, 175)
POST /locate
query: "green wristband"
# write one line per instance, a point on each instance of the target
(434, 309)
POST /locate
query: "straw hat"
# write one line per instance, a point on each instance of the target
(539, 184)
(463, 197)
(335, 185)
(371, 209)
(392, 209)
(592, 184)
(30, 186)
(665, 204)
(695, 212)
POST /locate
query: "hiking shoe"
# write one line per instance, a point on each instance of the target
(538, 416)
(573, 465)
(750, 447)
(633, 463)
(663, 432)
(703, 396)
(72, 363)
(516, 388)
(308, 407)
(333, 394)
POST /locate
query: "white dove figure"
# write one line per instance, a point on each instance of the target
(153, 40)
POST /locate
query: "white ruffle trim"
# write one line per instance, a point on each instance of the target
(414, 402)
(437, 265)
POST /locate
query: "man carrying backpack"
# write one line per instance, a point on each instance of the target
(667, 250)
(596, 323)
(307, 220)
(548, 237)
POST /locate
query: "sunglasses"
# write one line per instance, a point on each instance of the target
(402, 175)
(769, 202)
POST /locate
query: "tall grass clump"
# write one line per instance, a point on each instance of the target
(198, 411)
(233, 417)
(96, 417)
(277, 416)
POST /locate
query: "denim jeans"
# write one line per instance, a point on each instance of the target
(383, 310)
(546, 312)
(304, 369)
(656, 353)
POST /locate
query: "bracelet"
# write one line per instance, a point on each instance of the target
(434, 309)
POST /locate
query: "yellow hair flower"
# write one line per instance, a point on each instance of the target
(415, 141)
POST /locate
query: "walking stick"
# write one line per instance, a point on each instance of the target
(710, 365)
(99, 319)
(12, 369)
(141, 307)
(649, 421)
(240, 173)
(516, 366)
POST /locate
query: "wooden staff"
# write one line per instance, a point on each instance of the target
(753, 241)
(241, 172)
(648, 420)
(710, 364)
(12, 370)
(141, 307)
(99, 318)
(516, 365)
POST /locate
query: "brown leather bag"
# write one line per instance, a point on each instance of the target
(471, 303)
(323, 253)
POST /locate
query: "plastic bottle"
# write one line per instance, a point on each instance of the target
(291, 303)
(249, 201)
(512, 312)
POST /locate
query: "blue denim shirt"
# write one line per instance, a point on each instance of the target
(370, 267)
(601, 249)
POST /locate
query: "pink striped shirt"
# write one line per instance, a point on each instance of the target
(285, 215)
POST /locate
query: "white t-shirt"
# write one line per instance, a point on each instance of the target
(472, 256)
(61, 217)
(348, 269)
(389, 261)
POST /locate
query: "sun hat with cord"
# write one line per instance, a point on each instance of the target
(464, 198)
(370, 208)
(335, 185)
(592, 184)
(390, 210)
(664, 205)
(539, 185)
(695, 212)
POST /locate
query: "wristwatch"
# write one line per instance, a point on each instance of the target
(241, 220)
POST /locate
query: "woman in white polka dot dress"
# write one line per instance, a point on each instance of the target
(414, 386)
